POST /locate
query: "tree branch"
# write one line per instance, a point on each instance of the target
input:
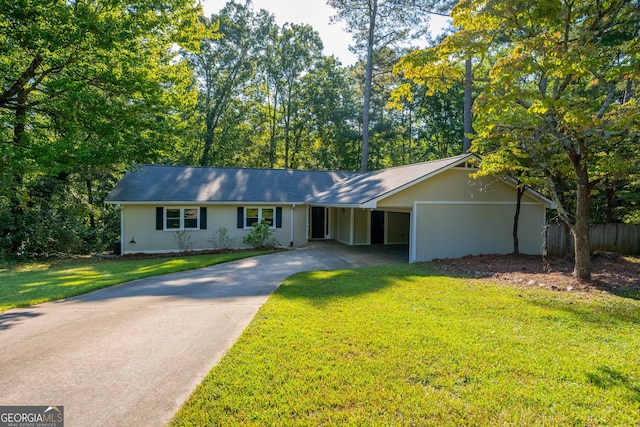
(19, 84)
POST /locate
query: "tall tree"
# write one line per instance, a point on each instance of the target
(232, 89)
(376, 24)
(225, 67)
(330, 118)
(86, 84)
(290, 53)
(553, 104)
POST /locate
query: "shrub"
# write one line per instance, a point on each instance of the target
(183, 240)
(260, 235)
(220, 239)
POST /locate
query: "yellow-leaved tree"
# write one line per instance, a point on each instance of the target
(556, 84)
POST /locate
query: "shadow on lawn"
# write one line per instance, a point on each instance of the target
(606, 314)
(605, 377)
(322, 287)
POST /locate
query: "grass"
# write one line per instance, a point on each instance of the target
(30, 284)
(403, 345)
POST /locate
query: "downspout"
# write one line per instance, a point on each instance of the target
(122, 240)
(293, 206)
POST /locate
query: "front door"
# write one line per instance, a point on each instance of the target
(317, 222)
(377, 227)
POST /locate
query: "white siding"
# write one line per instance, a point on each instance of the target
(362, 227)
(450, 230)
(139, 224)
(397, 227)
(344, 225)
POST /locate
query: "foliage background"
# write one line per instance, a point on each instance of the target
(91, 89)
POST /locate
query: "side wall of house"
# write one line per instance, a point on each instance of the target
(397, 227)
(456, 215)
(139, 226)
(343, 216)
(455, 185)
(452, 231)
(361, 226)
(333, 223)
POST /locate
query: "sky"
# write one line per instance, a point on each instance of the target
(312, 12)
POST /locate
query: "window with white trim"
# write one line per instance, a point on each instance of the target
(181, 219)
(255, 215)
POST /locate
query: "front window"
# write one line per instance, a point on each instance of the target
(191, 218)
(267, 215)
(181, 219)
(252, 216)
(255, 215)
(173, 219)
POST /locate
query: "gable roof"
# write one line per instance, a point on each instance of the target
(361, 189)
(189, 184)
(192, 184)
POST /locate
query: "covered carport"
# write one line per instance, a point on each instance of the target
(359, 226)
(438, 208)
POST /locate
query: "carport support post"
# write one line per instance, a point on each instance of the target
(308, 214)
(352, 230)
(412, 234)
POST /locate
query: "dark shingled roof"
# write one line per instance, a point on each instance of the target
(153, 183)
(362, 188)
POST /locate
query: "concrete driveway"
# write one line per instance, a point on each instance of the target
(130, 355)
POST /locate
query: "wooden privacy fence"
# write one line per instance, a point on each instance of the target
(621, 238)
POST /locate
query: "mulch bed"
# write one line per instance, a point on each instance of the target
(610, 272)
(193, 253)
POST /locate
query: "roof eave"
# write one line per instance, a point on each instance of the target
(200, 202)
(374, 201)
(548, 203)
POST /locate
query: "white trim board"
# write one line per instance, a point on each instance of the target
(471, 202)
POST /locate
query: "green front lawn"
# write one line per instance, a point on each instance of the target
(403, 345)
(36, 283)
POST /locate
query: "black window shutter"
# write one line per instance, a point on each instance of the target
(203, 218)
(278, 217)
(240, 217)
(159, 218)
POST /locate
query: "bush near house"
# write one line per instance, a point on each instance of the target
(260, 235)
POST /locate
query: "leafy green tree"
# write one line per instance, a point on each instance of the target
(86, 85)
(291, 51)
(328, 119)
(377, 24)
(226, 67)
(555, 103)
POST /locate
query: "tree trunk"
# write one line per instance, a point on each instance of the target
(209, 134)
(609, 210)
(628, 92)
(92, 218)
(520, 190)
(287, 126)
(14, 231)
(580, 230)
(467, 106)
(364, 163)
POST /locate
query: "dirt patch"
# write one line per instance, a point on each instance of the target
(610, 272)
